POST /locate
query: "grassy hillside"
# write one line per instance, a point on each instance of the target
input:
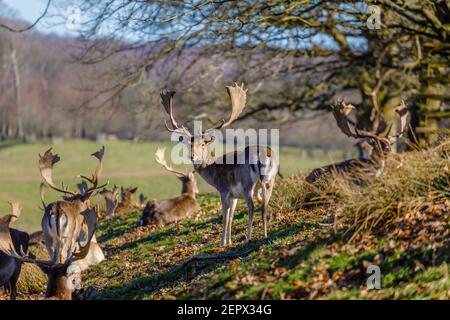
(399, 222)
(126, 163)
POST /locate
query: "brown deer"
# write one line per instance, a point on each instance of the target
(372, 146)
(126, 204)
(173, 209)
(57, 215)
(68, 227)
(10, 267)
(257, 164)
(111, 200)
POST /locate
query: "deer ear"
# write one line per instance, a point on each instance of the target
(133, 190)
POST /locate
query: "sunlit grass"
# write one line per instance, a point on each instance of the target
(126, 163)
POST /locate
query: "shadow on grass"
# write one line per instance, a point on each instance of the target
(116, 226)
(142, 286)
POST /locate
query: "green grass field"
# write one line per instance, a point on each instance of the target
(126, 164)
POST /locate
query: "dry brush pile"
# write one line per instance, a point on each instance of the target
(399, 221)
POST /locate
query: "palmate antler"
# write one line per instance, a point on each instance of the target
(341, 111)
(97, 174)
(159, 157)
(16, 210)
(46, 163)
(6, 242)
(48, 160)
(238, 97)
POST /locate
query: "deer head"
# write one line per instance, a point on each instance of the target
(370, 143)
(198, 143)
(126, 194)
(111, 199)
(189, 183)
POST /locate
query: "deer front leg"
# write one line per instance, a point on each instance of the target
(250, 206)
(225, 220)
(232, 203)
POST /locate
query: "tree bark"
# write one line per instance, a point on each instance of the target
(17, 96)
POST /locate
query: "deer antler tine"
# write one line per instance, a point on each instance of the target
(167, 127)
(98, 171)
(160, 158)
(340, 112)
(389, 130)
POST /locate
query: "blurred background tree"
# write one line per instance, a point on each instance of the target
(295, 56)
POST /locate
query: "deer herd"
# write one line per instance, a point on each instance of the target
(69, 224)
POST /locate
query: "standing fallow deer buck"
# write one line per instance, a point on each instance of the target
(68, 227)
(257, 164)
(10, 267)
(373, 146)
(173, 209)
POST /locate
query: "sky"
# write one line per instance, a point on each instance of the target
(30, 10)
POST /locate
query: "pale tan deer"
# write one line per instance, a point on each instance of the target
(231, 180)
(373, 146)
(10, 267)
(176, 208)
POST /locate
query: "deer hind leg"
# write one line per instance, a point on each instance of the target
(267, 194)
(251, 208)
(232, 204)
(225, 220)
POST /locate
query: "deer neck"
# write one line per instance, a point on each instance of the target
(57, 287)
(208, 172)
(188, 187)
(126, 201)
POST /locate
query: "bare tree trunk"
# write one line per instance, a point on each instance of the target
(16, 75)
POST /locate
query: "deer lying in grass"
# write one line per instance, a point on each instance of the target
(373, 146)
(68, 227)
(126, 204)
(230, 180)
(72, 207)
(173, 209)
(10, 267)
(111, 200)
